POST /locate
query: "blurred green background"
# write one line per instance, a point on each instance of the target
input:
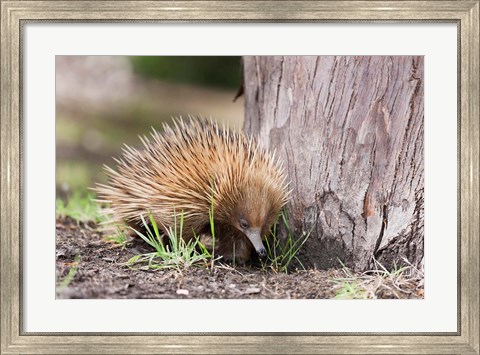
(103, 102)
(221, 72)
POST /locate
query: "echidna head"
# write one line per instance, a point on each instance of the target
(254, 209)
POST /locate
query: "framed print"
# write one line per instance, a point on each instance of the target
(293, 176)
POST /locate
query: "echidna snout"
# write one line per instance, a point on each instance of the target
(255, 238)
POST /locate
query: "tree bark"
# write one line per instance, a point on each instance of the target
(350, 133)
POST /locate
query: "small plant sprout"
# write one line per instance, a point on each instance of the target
(280, 254)
(175, 254)
(350, 290)
(119, 239)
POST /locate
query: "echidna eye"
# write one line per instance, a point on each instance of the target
(243, 223)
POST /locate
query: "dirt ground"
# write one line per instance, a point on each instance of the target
(100, 274)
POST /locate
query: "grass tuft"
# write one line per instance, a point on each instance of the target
(120, 239)
(280, 254)
(177, 254)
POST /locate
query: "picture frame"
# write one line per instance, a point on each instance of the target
(15, 13)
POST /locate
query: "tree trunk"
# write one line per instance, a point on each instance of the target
(350, 133)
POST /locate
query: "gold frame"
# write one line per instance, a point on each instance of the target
(463, 12)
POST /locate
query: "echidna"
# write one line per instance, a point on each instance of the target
(186, 169)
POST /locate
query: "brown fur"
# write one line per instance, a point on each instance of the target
(183, 169)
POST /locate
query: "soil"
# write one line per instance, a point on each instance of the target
(100, 274)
